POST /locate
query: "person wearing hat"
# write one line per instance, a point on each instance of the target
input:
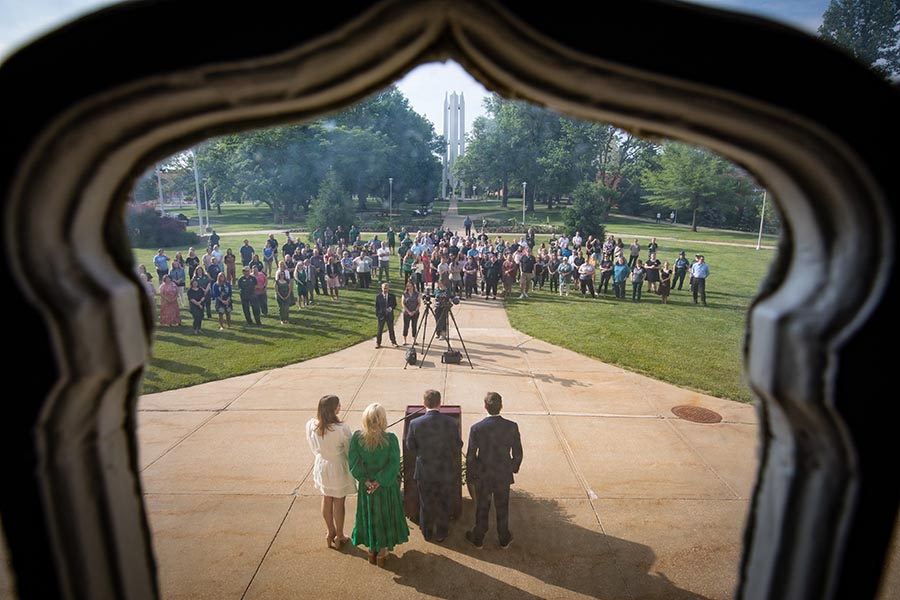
(247, 285)
(681, 269)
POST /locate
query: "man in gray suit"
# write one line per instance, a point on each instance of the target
(493, 455)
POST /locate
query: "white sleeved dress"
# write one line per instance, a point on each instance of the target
(331, 470)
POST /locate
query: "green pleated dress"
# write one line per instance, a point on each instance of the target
(380, 522)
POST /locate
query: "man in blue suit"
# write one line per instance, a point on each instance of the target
(493, 455)
(434, 437)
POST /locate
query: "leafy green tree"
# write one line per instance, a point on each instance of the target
(414, 148)
(488, 158)
(332, 206)
(146, 188)
(360, 158)
(588, 210)
(691, 179)
(868, 29)
(280, 167)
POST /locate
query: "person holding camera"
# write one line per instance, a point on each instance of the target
(385, 303)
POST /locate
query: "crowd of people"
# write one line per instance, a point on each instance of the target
(367, 463)
(298, 274)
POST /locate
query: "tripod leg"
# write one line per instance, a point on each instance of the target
(425, 353)
(460, 340)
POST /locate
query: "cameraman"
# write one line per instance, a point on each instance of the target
(443, 298)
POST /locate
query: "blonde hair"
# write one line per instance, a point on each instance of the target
(374, 424)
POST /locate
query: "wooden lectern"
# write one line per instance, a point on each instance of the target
(410, 490)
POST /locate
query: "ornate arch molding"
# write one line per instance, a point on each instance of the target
(78, 135)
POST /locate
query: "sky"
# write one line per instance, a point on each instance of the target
(425, 86)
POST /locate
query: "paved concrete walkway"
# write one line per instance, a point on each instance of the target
(616, 498)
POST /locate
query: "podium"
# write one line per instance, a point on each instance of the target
(410, 490)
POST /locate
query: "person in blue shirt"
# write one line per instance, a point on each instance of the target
(620, 275)
(161, 261)
(699, 273)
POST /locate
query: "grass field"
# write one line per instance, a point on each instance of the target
(679, 342)
(693, 347)
(180, 358)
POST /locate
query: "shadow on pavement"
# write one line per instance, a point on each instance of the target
(549, 546)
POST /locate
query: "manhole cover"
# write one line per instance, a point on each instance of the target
(697, 414)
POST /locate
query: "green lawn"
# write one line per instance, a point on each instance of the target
(681, 343)
(685, 345)
(239, 217)
(180, 358)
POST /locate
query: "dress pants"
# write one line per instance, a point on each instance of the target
(587, 285)
(434, 508)
(604, 282)
(410, 320)
(250, 304)
(389, 322)
(485, 489)
(700, 288)
(491, 289)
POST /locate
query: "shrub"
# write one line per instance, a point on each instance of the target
(147, 228)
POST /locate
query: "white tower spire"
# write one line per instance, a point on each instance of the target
(454, 139)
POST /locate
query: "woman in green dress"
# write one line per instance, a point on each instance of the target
(374, 458)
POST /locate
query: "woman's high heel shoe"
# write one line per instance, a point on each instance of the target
(340, 540)
(330, 542)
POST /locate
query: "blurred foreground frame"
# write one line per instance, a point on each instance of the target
(90, 106)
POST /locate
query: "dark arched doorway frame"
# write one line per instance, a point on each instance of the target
(79, 131)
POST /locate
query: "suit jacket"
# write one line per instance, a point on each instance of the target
(434, 437)
(381, 306)
(495, 450)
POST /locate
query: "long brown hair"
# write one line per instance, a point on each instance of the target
(327, 415)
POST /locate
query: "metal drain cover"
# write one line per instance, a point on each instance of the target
(697, 414)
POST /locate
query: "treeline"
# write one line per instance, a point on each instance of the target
(379, 147)
(599, 167)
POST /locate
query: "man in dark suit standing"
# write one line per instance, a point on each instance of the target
(434, 437)
(493, 455)
(385, 303)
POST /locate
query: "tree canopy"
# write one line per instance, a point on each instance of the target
(284, 167)
(868, 29)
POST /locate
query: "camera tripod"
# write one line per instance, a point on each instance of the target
(423, 330)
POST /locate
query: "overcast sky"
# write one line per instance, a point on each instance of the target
(23, 20)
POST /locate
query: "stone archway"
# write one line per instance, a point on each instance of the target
(79, 134)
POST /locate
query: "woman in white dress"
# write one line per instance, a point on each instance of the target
(329, 440)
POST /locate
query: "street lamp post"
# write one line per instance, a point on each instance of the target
(390, 198)
(162, 208)
(197, 186)
(524, 186)
(206, 202)
(474, 187)
(762, 216)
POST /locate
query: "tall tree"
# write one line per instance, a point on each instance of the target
(488, 157)
(413, 161)
(588, 211)
(868, 29)
(360, 158)
(690, 179)
(332, 206)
